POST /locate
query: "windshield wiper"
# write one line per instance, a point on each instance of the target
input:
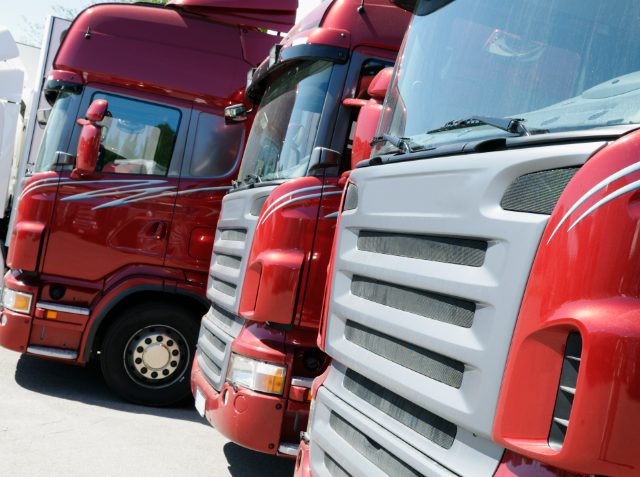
(506, 124)
(403, 143)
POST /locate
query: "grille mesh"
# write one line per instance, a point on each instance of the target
(257, 205)
(351, 199)
(419, 302)
(371, 450)
(224, 287)
(335, 469)
(229, 261)
(538, 192)
(212, 366)
(437, 430)
(424, 247)
(223, 316)
(214, 340)
(235, 235)
(415, 358)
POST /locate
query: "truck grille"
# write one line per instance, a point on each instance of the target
(425, 362)
(230, 252)
(229, 261)
(434, 428)
(427, 282)
(566, 391)
(436, 249)
(374, 452)
(538, 192)
(335, 469)
(419, 302)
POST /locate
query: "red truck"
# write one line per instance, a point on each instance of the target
(483, 308)
(114, 230)
(257, 352)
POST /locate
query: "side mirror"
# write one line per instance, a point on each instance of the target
(380, 84)
(322, 157)
(237, 112)
(89, 142)
(42, 117)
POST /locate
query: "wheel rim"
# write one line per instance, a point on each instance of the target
(156, 356)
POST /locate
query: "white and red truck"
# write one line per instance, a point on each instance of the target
(257, 351)
(483, 310)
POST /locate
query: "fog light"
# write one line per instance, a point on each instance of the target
(3, 320)
(257, 375)
(16, 301)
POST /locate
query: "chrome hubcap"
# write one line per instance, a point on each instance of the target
(155, 353)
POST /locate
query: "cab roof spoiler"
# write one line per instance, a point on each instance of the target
(276, 15)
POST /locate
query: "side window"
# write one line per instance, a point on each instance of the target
(137, 137)
(217, 146)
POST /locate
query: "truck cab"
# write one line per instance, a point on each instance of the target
(257, 350)
(114, 230)
(481, 314)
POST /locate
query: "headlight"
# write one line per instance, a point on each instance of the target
(257, 375)
(16, 301)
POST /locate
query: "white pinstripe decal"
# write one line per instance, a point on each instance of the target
(612, 178)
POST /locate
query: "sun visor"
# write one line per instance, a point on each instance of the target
(8, 47)
(277, 15)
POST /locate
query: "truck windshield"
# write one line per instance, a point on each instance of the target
(284, 130)
(53, 132)
(555, 65)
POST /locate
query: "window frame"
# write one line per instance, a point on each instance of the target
(191, 140)
(185, 108)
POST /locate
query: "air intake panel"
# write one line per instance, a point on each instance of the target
(538, 192)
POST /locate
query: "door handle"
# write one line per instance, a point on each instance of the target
(155, 229)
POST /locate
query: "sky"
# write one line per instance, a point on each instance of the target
(36, 11)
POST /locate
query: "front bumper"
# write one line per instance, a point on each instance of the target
(303, 466)
(250, 419)
(15, 329)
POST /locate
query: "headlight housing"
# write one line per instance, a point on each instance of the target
(16, 301)
(257, 375)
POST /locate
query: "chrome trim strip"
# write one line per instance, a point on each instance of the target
(64, 308)
(288, 449)
(53, 353)
(302, 382)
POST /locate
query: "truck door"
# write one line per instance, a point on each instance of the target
(212, 160)
(120, 216)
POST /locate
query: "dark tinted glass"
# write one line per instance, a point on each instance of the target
(137, 137)
(217, 146)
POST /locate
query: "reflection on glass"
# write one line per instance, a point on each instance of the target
(52, 133)
(137, 137)
(559, 65)
(285, 127)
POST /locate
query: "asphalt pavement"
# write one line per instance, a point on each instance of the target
(63, 420)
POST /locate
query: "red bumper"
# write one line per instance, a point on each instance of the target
(250, 419)
(303, 466)
(14, 333)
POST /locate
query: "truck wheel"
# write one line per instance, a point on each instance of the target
(147, 353)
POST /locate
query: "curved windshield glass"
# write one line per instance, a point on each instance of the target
(552, 65)
(284, 130)
(53, 132)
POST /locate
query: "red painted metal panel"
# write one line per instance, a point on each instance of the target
(516, 465)
(132, 46)
(258, 341)
(584, 279)
(303, 465)
(26, 241)
(201, 243)
(14, 334)
(257, 427)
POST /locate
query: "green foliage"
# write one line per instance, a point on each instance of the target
(35, 31)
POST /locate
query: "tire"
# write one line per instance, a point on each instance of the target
(138, 343)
